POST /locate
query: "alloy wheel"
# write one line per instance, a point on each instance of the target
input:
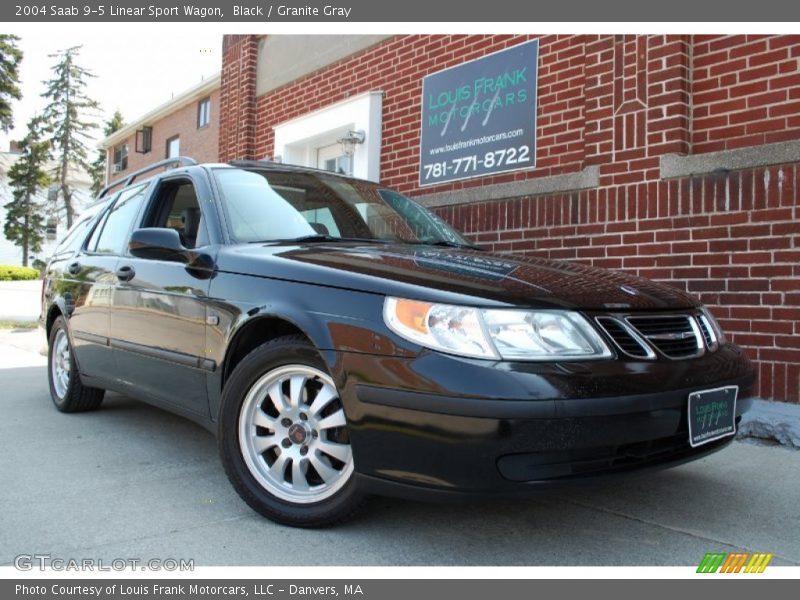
(293, 436)
(61, 363)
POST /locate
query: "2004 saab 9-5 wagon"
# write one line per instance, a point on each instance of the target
(342, 341)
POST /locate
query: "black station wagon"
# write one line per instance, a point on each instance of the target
(342, 341)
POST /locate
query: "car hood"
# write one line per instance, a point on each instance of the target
(461, 276)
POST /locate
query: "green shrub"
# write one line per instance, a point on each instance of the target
(12, 273)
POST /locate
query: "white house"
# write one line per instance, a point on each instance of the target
(56, 217)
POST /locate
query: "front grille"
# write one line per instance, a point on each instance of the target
(625, 338)
(675, 336)
(709, 336)
(646, 337)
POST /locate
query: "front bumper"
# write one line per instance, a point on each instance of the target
(439, 425)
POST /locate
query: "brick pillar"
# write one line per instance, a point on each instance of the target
(599, 99)
(669, 91)
(237, 127)
(669, 106)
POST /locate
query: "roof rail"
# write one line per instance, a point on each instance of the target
(180, 161)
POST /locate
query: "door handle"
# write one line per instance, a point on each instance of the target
(125, 273)
(74, 268)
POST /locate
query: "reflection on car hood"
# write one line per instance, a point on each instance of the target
(453, 275)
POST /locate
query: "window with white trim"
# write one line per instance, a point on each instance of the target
(333, 158)
(203, 113)
(313, 139)
(173, 147)
(120, 157)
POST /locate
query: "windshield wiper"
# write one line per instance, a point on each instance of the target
(320, 237)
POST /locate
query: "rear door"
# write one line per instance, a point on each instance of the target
(91, 324)
(94, 272)
(72, 276)
(159, 318)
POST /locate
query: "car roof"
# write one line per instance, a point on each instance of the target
(185, 163)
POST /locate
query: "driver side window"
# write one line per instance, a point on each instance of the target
(175, 206)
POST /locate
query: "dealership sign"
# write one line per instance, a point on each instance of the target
(479, 118)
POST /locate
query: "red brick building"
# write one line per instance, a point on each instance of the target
(672, 157)
(187, 125)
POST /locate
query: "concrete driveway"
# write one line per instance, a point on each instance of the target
(133, 481)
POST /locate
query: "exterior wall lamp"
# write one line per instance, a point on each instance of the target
(350, 139)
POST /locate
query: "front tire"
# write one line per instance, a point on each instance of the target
(283, 436)
(66, 389)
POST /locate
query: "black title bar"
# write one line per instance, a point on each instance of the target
(387, 589)
(406, 11)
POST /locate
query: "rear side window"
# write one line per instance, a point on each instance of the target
(75, 236)
(111, 236)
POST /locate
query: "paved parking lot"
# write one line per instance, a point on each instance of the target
(133, 481)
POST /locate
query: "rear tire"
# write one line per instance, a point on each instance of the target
(283, 437)
(66, 389)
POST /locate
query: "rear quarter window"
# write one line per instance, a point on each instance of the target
(111, 235)
(73, 241)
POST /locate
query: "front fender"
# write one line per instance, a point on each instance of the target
(334, 319)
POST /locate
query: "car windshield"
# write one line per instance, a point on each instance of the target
(271, 206)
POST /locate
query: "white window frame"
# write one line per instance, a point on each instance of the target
(297, 141)
(335, 152)
(120, 150)
(175, 139)
(204, 113)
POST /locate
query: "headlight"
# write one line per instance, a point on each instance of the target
(455, 329)
(490, 333)
(713, 325)
(543, 335)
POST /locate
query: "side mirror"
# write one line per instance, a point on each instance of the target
(158, 243)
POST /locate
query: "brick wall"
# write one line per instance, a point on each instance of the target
(745, 91)
(201, 144)
(619, 103)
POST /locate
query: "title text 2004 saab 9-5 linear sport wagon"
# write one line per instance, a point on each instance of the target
(343, 341)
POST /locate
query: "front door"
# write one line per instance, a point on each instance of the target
(159, 316)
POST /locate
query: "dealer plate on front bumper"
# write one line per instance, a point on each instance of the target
(712, 414)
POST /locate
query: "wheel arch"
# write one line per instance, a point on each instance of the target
(263, 327)
(57, 308)
(52, 314)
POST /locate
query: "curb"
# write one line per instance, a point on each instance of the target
(771, 420)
